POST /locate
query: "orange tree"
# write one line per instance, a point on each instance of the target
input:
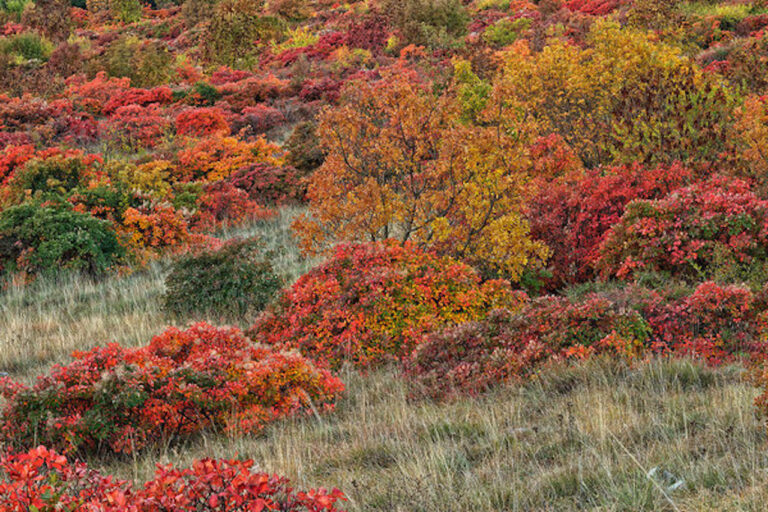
(401, 165)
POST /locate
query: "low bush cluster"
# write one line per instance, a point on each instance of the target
(119, 400)
(371, 303)
(713, 322)
(40, 479)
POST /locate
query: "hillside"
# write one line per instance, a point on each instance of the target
(382, 255)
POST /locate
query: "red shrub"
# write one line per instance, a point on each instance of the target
(227, 75)
(182, 382)
(269, 184)
(574, 213)
(223, 203)
(135, 96)
(200, 122)
(262, 118)
(93, 95)
(716, 226)
(136, 126)
(252, 90)
(326, 89)
(372, 303)
(505, 346)
(14, 139)
(41, 479)
(715, 323)
(718, 323)
(594, 7)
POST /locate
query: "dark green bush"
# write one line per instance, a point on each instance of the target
(230, 283)
(44, 238)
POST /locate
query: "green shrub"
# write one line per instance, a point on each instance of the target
(127, 11)
(51, 178)
(432, 23)
(42, 239)
(26, 46)
(206, 93)
(505, 31)
(228, 283)
(303, 148)
(13, 6)
(147, 64)
(233, 28)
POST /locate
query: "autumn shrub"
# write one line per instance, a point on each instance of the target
(269, 184)
(621, 97)
(512, 345)
(217, 157)
(50, 17)
(573, 213)
(261, 118)
(715, 322)
(40, 479)
(133, 127)
(712, 229)
(223, 204)
(230, 282)
(370, 303)
(711, 322)
(750, 141)
(113, 399)
(44, 238)
(401, 165)
(200, 122)
(427, 22)
(151, 229)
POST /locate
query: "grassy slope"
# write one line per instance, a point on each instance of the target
(580, 437)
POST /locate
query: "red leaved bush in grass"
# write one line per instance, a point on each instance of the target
(135, 126)
(718, 323)
(40, 479)
(509, 345)
(261, 118)
(715, 323)
(121, 400)
(270, 184)
(225, 204)
(574, 213)
(202, 121)
(372, 303)
(710, 227)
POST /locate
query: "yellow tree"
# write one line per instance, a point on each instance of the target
(401, 165)
(623, 97)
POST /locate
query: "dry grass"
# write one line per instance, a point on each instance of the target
(581, 437)
(43, 323)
